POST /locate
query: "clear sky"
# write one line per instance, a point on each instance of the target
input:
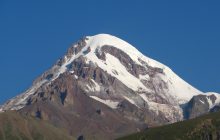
(185, 35)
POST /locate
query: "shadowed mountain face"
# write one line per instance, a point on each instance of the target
(66, 106)
(103, 88)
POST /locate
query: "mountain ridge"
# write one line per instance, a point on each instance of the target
(102, 75)
(100, 40)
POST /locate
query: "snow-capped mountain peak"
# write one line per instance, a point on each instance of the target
(179, 88)
(110, 70)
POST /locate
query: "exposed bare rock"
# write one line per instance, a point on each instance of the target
(104, 88)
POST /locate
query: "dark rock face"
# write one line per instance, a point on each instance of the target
(73, 50)
(199, 105)
(81, 138)
(78, 113)
(77, 47)
(63, 97)
(130, 65)
(215, 109)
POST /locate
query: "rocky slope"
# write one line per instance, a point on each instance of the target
(14, 126)
(105, 88)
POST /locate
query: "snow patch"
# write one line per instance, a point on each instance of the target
(168, 110)
(210, 102)
(202, 102)
(72, 72)
(94, 87)
(217, 101)
(177, 87)
(110, 103)
(76, 77)
(217, 95)
(144, 77)
(131, 101)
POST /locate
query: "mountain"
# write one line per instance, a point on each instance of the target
(206, 127)
(14, 126)
(104, 88)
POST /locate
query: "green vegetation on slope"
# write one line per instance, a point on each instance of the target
(14, 126)
(206, 127)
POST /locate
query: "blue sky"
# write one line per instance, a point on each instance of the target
(185, 35)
